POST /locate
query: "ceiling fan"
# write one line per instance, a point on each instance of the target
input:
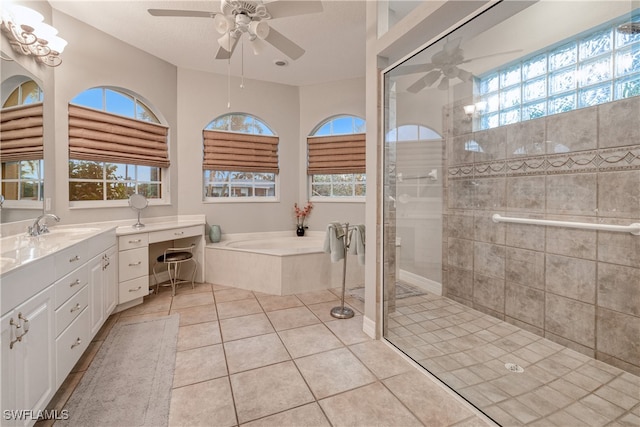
(444, 66)
(238, 17)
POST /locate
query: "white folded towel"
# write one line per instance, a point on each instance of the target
(334, 242)
(356, 245)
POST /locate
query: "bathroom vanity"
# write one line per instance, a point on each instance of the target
(56, 292)
(58, 289)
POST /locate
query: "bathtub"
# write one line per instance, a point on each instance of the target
(277, 263)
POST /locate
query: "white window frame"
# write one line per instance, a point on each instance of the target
(249, 199)
(336, 199)
(164, 198)
(20, 81)
(578, 85)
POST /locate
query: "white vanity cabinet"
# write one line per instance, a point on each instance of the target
(133, 266)
(28, 374)
(133, 254)
(103, 289)
(51, 309)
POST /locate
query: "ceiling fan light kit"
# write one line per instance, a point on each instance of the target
(237, 17)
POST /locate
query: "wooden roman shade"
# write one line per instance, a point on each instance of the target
(103, 137)
(336, 154)
(241, 152)
(21, 133)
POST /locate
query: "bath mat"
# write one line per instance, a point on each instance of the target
(403, 290)
(129, 381)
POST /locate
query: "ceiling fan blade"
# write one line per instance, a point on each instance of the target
(412, 69)
(493, 54)
(444, 84)
(431, 77)
(427, 80)
(284, 45)
(224, 53)
(417, 86)
(282, 9)
(464, 75)
(451, 45)
(182, 13)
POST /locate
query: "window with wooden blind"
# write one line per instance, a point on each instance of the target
(117, 147)
(336, 159)
(21, 144)
(240, 159)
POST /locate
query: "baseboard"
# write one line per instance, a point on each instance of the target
(421, 282)
(369, 327)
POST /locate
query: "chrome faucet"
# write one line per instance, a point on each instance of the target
(37, 229)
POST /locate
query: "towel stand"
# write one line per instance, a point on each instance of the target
(343, 312)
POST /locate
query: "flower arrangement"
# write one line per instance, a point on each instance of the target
(301, 214)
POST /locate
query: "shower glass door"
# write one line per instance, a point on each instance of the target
(529, 110)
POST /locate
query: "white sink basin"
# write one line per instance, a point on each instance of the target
(22, 248)
(7, 262)
(70, 232)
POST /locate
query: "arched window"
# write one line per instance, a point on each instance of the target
(21, 142)
(418, 161)
(117, 147)
(240, 159)
(336, 159)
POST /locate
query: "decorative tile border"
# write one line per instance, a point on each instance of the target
(611, 159)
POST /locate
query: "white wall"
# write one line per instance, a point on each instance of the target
(93, 58)
(201, 98)
(317, 103)
(188, 100)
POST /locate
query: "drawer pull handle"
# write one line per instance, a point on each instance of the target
(77, 343)
(133, 264)
(25, 323)
(180, 233)
(75, 308)
(74, 259)
(18, 337)
(135, 241)
(76, 283)
(136, 289)
(19, 325)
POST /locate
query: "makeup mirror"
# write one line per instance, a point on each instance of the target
(138, 202)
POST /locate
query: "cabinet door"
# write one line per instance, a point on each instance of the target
(96, 293)
(8, 373)
(35, 356)
(111, 280)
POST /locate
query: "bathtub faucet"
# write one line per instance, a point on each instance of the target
(37, 229)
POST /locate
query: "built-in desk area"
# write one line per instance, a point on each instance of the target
(139, 247)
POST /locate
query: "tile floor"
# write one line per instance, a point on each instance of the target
(252, 359)
(468, 350)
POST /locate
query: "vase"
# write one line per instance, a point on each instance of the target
(300, 230)
(215, 233)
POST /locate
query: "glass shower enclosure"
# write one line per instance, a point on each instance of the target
(528, 111)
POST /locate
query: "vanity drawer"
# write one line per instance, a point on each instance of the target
(71, 258)
(133, 263)
(71, 309)
(133, 241)
(176, 233)
(70, 284)
(71, 344)
(132, 289)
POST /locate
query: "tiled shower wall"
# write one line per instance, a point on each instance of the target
(580, 288)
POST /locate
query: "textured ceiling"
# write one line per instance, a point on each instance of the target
(334, 39)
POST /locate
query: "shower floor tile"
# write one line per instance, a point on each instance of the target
(469, 351)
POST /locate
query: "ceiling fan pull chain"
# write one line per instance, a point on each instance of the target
(229, 83)
(242, 64)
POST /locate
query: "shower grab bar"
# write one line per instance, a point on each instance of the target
(632, 228)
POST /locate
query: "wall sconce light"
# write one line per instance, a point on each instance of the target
(473, 111)
(30, 36)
